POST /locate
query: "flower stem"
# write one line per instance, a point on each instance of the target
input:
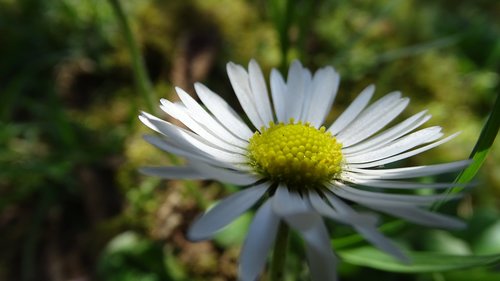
(279, 253)
(281, 12)
(143, 83)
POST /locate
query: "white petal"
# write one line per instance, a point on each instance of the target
(198, 113)
(347, 211)
(393, 133)
(225, 212)
(278, 92)
(173, 173)
(411, 172)
(420, 216)
(339, 211)
(373, 119)
(295, 91)
(223, 174)
(259, 91)
(180, 113)
(286, 203)
(403, 155)
(189, 153)
(239, 80)
(403, 144)
(190, 141)
(261, 236)
(305, 220)
(382, 242)
(364, 118)
(363, 223)
(223, 112)
(321, 260)
(308, 94)
(360, 180)
(323, 90)
(145, 118)
(363, 196)
(353, 110)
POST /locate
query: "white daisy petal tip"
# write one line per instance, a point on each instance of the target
(232, 68)
(226, 211)
(198, 85)
(296, 63)
(183, 95)
(457, 225)
(396, 94)
(144, 171)
(401, 256)
(258, 242)
(164, 101)
(144, 114)
(193, 234)
(253, 63)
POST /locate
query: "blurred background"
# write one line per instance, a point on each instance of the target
(72, 203)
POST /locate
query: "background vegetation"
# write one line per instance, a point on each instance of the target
(74, 207)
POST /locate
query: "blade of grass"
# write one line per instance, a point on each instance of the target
(422, 262)
(281, 14)
(143, 83)
(356, 239)
(304, 12)
(482, 147)
(417, 49)
(34, 235)
(480, 151)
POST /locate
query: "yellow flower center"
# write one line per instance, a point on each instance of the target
(298, 155)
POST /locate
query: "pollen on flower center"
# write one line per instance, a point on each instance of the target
(296, 154)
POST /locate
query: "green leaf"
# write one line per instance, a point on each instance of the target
(483, 145)
(355, 239)
(480, 151)
(417, 49)
(235, 232)
(488, 241)
(421, 261)
(476, 274)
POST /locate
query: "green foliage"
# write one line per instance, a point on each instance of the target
(234, 234)
(420, 261)
(483, 144)
(142, 259)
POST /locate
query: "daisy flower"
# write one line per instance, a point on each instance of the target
(296, 168)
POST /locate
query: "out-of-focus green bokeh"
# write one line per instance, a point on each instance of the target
(74, 207)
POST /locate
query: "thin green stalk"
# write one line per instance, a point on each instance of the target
(480, 151)
(417, 49)
(279, 253)
(350, 241)
(281, 13)
(482, 147)
(304, 12)
(33, 236)
(142, 81)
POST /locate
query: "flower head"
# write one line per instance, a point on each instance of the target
(304, 169)
(295, 154)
